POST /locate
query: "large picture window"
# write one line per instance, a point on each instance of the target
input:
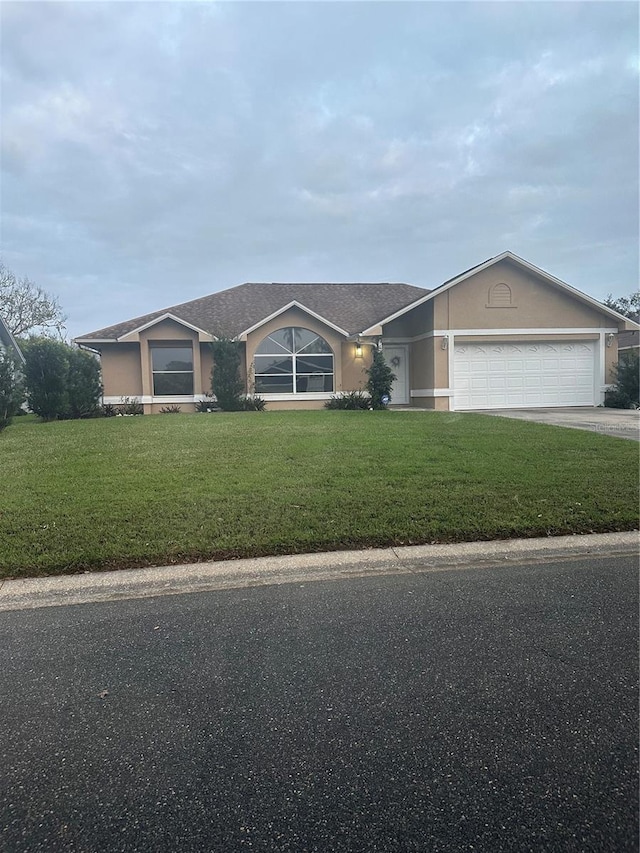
(172, 368)
(293, 361)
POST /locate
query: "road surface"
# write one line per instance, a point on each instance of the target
(484, 709)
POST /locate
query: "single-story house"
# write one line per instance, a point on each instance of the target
(502, 334)
(8, 343)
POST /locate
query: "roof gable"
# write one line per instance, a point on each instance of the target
(452, 282)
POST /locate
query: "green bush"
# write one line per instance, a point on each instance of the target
(10, 389)
(84, 387)
(170, 410)
(381, 378)
(226, 384)
(61, 381)
(625, 394)
(349, 400)
(46, 371)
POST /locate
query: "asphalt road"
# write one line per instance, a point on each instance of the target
(466, 710)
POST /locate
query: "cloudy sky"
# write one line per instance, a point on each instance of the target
(156, 152)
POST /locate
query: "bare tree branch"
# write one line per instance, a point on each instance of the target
(24, 306)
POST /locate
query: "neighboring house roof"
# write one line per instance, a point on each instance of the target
(628, 340)
(347, 307)
(510, 256)
(7, 341)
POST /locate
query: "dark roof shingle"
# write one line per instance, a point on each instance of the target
(351, 307)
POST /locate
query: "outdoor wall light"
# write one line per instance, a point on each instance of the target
(610, 338)
(444, 343)
(358, 349)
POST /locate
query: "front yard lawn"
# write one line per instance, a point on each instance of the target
(122, 492)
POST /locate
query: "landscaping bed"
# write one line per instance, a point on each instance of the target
(125, 492)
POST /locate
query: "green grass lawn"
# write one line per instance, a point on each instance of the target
(123, 492)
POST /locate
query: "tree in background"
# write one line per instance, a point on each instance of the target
(61, 381)
(226, 384)
(25, 306)
(10, 388)
(628, 306)
(380, 380)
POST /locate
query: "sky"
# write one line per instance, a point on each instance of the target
(156, 152)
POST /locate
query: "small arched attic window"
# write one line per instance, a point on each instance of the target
(500, 296)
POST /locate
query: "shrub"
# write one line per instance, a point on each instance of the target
(625, 394)
(226, 383)
(108, 411)
(83, 384)
(349, 400)
(170, 410)
(253, 403)
(61, 381)
(130, 406)
(381, 378)
(10, 389)
(46, 371)
(207, 405)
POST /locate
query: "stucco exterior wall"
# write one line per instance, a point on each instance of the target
(121, 373)
(353, 369)
(534, 303)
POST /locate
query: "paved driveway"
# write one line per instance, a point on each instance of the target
(621, 423)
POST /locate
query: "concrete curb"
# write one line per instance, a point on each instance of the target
(199, 577)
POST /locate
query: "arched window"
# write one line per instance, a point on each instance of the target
(293, 361)
(500, 296)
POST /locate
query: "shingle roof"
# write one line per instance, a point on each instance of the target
(352, 307)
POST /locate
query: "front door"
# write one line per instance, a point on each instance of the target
(397, 357)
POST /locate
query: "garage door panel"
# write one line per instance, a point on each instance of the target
(502, 375)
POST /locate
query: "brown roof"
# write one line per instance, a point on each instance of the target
(352, 307)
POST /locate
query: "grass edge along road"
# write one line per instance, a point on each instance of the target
(125, 492)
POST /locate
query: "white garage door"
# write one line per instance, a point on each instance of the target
(523, 375)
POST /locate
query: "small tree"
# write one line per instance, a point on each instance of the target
(625, 394)
(380, 380)
(84, 387)
(10, 388)
(226, 383)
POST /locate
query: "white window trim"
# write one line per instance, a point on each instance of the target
(303, 395)
(307, 395)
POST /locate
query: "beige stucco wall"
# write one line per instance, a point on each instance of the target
(412, 324)
(121, 374)
(353, 369)
(535, 303)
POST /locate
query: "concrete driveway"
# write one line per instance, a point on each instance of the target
(621, 423)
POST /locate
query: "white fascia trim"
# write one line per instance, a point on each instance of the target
(511, 332)
(207, 336)
(293, 304)
(89, 341)
(432, 392)
(518, 260)
(285, 398)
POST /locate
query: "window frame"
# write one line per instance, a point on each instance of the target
(163, 345)
(277, 350)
